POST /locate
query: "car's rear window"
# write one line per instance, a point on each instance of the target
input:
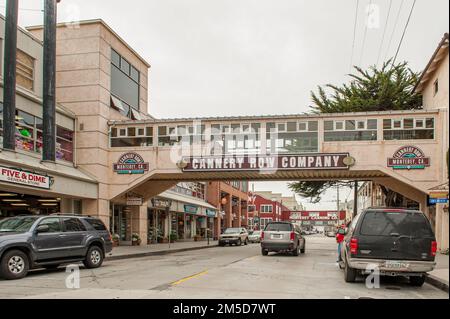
(279, 227)
(96, 223)
(402, 223)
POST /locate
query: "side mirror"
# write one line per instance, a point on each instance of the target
(42, 229)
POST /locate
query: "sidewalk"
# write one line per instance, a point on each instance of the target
(123, 252)
(439, 276)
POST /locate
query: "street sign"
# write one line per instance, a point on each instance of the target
(438, 197)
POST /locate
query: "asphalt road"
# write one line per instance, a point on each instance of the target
(220, 272)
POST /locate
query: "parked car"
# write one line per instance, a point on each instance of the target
(255, 236)
(29, 242)
(331, 234)
(282, 236)
(234, 236)
(399, 242)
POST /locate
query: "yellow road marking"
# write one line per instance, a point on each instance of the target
(189, 278)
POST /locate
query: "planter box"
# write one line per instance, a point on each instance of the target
(115, 244)
(136, 243)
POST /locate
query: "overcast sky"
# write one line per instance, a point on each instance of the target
(247, 57)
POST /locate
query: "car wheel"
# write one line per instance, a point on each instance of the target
(14, 265)
(246, 242)
(239, 243)
(302, 251)
(94, 257)
(264, 252)
(296, 250)
(349, 273)
(417, 281)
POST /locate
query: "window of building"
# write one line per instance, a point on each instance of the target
(124, 86)
(140, 136)
(25, 70)
(266, 208)
(64, 144)
(251, 208)
(292, 137)
(350, 130)
(408, 129)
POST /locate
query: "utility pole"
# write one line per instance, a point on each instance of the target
(355, 200)
(49, 75)
(9, 85)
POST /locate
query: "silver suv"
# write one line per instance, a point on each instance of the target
(282, 236)
(236, 236)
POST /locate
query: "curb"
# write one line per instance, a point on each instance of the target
(157, 253)
(437, 282)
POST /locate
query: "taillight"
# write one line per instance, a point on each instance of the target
(354, 246)
(292, 236)
(262, 235)
(433, 248)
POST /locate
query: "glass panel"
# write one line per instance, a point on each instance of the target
(397, 123)
(115, 58)
(408, 123)
(429, 123)
(281, 127)
(113, 132)
(361, 125)
(350, 136)
(162, 130)
(134, 74)
(409, 135)
(235, 128)
(387, 124)
(64, 150)
(350, 125)
(292, 126)
(124, 87)
(419, 123)
(270, 127)
(131, 131)
(328, 125)
(130, 142)
(25, 118)
(149, 131)
(181, 130)
(302, 126)
(64, 133)
(313, 126)
(372, 124)
(141, 132)
(339, 125)
(125, 66)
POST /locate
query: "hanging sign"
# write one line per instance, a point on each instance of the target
(131, 163)
(409, 157)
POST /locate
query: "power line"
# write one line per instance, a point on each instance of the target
(404, 31)
(27, 9)
(365, 34)
(395, 27)
(354, 35)
(384, 31)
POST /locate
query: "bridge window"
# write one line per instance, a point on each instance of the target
(292, 137)
(242, 138)
(408, 129)
(186, 134)
(131, 137)
(350, 130)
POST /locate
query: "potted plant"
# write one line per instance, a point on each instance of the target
(115, 240)
(135, 239)
(173, 236)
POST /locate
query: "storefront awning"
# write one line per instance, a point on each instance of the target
(187, 200)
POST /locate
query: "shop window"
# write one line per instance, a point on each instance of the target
(64, 144)
(25, 70)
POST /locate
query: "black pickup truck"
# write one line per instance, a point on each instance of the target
(29, 242)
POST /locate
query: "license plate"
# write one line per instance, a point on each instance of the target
(276, 236)
(396, 265)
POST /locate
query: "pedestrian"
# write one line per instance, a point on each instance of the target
(339, 239)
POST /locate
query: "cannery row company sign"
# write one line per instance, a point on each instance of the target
(18, 176)
(131, 163)
(267, 162)
(409, 157)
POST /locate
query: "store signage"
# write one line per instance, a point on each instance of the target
(270, 162)
(438, 198)
(190, 209)
(131, 163)
(18, 176)
(133, 200)
(317, 216)
(210, 213)
(409, 157)
(161, 203)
